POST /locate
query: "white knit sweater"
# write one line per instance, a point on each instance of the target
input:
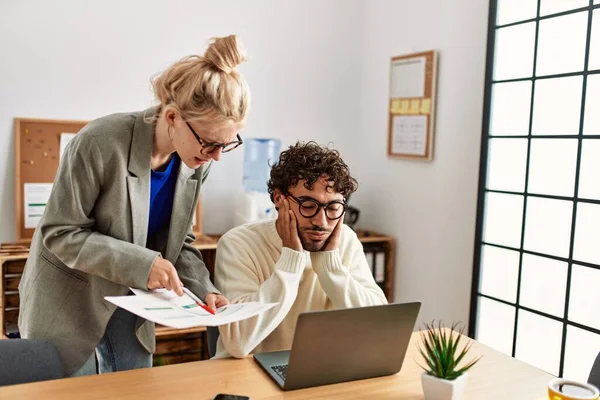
(251, 265)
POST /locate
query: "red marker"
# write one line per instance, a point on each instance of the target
(207, 308)
(199, 302)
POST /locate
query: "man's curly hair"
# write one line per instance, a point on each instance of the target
(310, 161)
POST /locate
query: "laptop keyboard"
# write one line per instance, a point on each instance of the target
(280, 370)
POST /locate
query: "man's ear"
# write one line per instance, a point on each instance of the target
(277, 198)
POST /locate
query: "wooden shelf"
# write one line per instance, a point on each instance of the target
(14, 249)
(372, 237)
(162, 330)
(207, 242)
(175, 346)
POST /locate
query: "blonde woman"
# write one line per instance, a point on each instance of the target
(120, 213)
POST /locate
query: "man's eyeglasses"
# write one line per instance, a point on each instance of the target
(310, 207)
(208, 148)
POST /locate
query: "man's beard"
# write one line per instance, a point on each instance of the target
(309, 244)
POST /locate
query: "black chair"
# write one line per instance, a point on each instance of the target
(212, 335)
(594, 378)
(24, 360)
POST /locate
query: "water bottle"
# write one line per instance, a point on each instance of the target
(259, 155)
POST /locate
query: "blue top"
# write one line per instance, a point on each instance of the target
(162, 191)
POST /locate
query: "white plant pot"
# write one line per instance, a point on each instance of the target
(442, 389)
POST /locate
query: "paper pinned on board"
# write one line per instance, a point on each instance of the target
(166, 308)
(65, 138)
(408, 78)
(409, 134)
(35, 196)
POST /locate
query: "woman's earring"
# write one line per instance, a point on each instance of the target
(169, 132)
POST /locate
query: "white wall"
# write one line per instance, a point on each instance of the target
(319, 70)
(430, 207)
(81, 60)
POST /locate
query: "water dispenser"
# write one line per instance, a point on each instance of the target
(259, 155)
(255, 204)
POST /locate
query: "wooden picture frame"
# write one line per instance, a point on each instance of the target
(412, 105)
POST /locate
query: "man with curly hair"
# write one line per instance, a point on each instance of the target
(306, 260)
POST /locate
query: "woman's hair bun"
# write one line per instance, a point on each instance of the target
(225, 53)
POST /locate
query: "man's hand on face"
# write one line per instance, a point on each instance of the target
(287, 226)
(333, 242)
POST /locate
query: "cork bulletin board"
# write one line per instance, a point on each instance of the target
(37, 154)
(412, 105)
(38, 148)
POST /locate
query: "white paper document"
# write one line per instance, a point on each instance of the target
(36, 197)
(408, 78)
(409, 134)
(166, 308)
(65, 138)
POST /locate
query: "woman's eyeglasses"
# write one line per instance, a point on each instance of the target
(208, 148)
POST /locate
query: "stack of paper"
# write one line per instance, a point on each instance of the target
(166, 308)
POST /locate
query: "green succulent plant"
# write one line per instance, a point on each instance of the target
(439, 348)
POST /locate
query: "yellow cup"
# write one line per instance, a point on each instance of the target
(564, 389)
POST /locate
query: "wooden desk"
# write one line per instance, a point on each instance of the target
(496, 376)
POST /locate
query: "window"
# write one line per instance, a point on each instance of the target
(536, 281)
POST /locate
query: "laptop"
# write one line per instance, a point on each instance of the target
(343, 345)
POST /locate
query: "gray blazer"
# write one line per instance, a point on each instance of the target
(91, 241)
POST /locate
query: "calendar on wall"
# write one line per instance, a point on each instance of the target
(412, 105)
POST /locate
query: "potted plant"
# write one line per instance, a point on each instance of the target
(443, 379)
